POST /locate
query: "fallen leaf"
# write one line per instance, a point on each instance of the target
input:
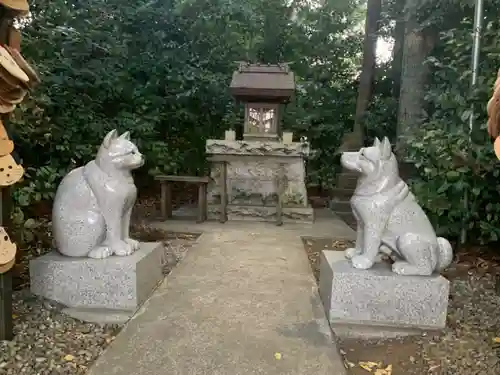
(69, 357)
(496, 340)
(386, 371)
(14, 316)
(277, 356)
(368, 366)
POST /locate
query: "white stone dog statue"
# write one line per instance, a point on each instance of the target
(93, 203)
(389, 219)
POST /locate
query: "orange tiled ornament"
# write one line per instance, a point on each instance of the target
(7, 251)
(10, 171)
(16, 78)
(10, 66)
(494, 115)
(20, 5)
(24, 65)
(6, 145)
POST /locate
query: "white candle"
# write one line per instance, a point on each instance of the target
(230, 135)
(287, 137)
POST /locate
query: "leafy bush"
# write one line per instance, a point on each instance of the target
(450, 167)
(448, 162)
(380, 120)
(161, 69)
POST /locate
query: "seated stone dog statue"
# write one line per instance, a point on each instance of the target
(93, 203)
(389, 219)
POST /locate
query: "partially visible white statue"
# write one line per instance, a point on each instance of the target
(389, 218)
(93, 203)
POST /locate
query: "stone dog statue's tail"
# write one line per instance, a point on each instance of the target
(445, 254)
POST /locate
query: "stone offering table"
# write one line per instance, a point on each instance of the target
(255, 173)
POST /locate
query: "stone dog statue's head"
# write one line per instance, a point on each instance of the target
(372, 162)
(119, 153)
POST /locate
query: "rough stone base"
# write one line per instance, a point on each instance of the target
(263, 213)
(115, 283)
(379, 303)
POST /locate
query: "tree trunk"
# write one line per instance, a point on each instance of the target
(397, 52)
(418, 43)
(356, 138)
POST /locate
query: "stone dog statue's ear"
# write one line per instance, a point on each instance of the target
(125, 136)
(110, 137)
(376, 142)
(385, 149)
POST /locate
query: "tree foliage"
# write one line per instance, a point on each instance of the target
(162, 69)
(452, 160)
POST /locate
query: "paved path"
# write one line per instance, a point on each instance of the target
(242, 294)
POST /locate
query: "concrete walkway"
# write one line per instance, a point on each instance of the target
(242, 294)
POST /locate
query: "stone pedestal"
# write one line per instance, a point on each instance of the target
(379, 303)
(252, 172)
(115, 283)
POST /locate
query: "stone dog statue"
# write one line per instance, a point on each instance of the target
(389, 218)
(93, 203)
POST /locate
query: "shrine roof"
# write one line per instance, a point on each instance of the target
(263, 81)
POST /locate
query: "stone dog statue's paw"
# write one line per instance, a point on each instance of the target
(351, 252)
(122, 248)
(100, 252)
(399, 267)
(405, 268)
(362, 262)
(134, 244)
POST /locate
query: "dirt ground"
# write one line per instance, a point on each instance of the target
(470, 345)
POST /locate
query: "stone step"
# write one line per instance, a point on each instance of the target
(347, 182)
(340, 205)
(348, 218)
(342, 194)
(348, 174)
(262, 213)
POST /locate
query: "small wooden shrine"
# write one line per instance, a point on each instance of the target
(263, 89)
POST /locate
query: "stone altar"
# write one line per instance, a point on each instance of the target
(252, 173)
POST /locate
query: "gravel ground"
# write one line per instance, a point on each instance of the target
(50, 343)
(466, 347)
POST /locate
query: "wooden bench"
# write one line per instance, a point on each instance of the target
(166, 194)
